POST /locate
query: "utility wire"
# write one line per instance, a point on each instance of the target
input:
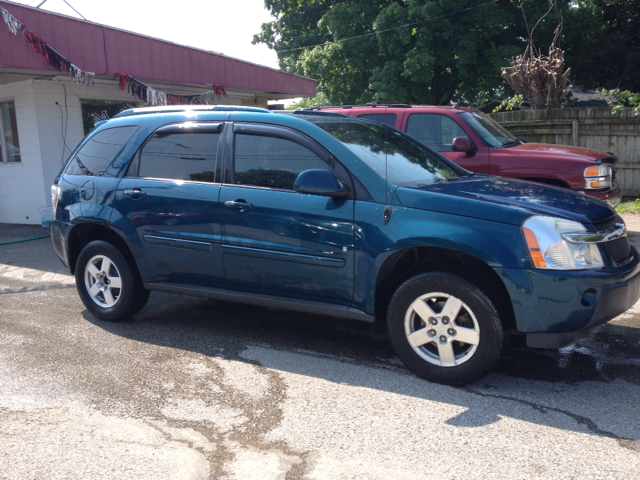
(65, 1)
(387, 30)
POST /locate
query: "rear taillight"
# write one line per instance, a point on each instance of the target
(55, 193)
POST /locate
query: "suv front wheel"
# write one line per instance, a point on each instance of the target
(107, 283)
(444, 328)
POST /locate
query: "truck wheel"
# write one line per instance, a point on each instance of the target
(444, 328)
(108, 286)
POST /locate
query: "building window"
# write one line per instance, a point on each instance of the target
(9, 143)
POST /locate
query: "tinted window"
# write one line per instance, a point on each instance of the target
(179, 156)
(389, 153)
(437, 131)
(388, 118)
(99, 151)
(272, 162)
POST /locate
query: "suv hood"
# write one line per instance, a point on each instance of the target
(586, 155)
(503, 200)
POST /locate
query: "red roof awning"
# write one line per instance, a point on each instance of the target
(105, 50)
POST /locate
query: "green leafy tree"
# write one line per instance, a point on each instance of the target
(604, 43)
(308, 102)
(412, 51)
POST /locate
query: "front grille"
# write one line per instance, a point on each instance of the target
(619, 249)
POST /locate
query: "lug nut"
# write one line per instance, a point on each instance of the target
(445, 320)
(443, 339)
(433, 320)
(451, 331)
(432, 333)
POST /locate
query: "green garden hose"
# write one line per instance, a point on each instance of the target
(24, 240)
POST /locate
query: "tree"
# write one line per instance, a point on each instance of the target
(308, 102)
(412, 51)
(611, 57)
(542, 79)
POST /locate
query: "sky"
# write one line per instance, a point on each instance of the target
(223, 26)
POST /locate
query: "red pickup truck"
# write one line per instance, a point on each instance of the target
(478, 143)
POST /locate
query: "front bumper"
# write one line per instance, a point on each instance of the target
(557, 308)
(614, 300)
(612, 196)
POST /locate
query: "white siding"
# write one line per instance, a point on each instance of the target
(26, 186)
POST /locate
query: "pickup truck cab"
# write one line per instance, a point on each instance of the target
(478, 143)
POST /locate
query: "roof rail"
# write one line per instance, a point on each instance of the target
(370, 104)
(320, 107)
(189, 108)
(387, 104)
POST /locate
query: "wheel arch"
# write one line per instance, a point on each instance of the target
(84, 233)
(408, 262)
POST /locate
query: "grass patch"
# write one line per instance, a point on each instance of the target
(629, 206)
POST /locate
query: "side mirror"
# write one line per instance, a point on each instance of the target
(464, 144)
(320, 182)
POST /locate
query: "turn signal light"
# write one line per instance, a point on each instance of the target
(592, 172)
(534, 249)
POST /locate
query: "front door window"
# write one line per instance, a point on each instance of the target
(435, 130)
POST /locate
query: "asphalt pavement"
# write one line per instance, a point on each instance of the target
(200, 389)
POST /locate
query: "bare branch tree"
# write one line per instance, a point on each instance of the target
(540, 78)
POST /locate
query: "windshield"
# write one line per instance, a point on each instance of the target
(493, 134)
(405, 162)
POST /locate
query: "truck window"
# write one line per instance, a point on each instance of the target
(437, 131)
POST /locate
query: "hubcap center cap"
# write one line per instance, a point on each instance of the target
(441, 328)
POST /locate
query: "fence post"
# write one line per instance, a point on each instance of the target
(575, 140)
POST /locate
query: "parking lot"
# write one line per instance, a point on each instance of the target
(195, 388)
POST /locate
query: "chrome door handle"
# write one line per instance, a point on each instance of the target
(238, 205)
(135, 193)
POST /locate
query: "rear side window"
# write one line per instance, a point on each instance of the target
(95, 156)
(437, 131)
(272, 162)
(388, 118)
(178, 156)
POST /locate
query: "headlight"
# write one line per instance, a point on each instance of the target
(597, 177)
(548, 249)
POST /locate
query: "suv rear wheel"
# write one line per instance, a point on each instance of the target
(444, 328)
(108, 285)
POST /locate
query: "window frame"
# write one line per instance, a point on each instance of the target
(183, 127)
(4, 155)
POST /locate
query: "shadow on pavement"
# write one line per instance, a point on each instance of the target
(523, 386)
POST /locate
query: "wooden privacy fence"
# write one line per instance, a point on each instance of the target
(593, 128)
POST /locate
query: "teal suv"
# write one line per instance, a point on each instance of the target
(321, 213)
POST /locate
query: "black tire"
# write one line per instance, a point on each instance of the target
(476, 321)
(115, 294)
